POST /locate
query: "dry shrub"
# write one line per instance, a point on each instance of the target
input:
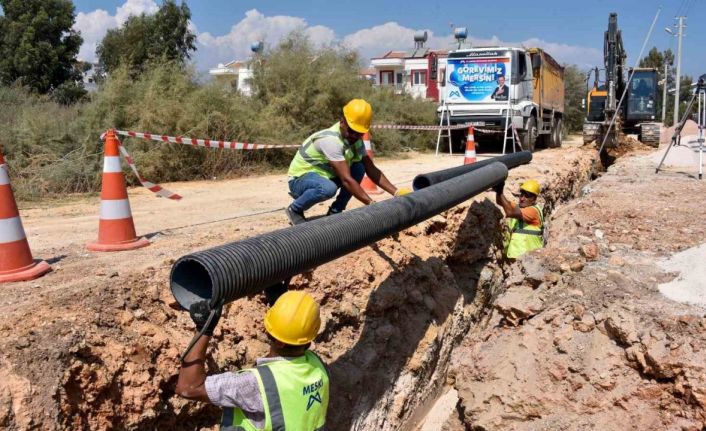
(55, 149)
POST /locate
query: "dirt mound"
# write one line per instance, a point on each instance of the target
(105, 357)
(629, 145)
(690, 128)
(582, 338)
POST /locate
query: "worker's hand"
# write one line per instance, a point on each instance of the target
(402, 191)
(200, 311)
(499, 188)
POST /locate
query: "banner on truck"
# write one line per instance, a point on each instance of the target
(478, 80)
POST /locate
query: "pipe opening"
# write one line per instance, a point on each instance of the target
(420, 182)
(191, 282)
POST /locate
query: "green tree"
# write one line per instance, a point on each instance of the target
(685, 93)
(575, 93)
(300, 85)
(299, 89)
(38, 46)
(144, 38)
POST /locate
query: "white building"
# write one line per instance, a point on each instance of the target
(419, 72)
(92, 76)
(237, 73)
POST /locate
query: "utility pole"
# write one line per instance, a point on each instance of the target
(664, 91)
(680, 34)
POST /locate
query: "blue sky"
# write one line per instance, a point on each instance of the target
(571, 31)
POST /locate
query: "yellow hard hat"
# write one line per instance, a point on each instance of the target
(531, 186)
(294, 319)
(358, 114)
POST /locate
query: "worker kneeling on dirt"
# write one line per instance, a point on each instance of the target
(526, 221)
(289, 389)
(332, 159)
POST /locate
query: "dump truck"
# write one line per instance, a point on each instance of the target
(497, 88)
(637, 112)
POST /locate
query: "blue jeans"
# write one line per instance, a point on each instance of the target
(312, 188)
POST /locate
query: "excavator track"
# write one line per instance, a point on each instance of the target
(650, 134)
(591, 131)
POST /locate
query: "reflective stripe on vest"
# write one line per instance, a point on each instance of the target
(273, 401)
(309, 142)
(309, 159)
(523, 237)
(304, 369)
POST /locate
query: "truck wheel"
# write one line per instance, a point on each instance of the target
(557, 134)
(458, 140)
(529, 136)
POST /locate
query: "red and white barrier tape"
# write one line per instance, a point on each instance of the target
(494, 132)
(154, 188)
(434, 127)
(411, 127)
(208, 143)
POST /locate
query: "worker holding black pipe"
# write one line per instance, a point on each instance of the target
(525, 221)
(333, 159)
(289, 389)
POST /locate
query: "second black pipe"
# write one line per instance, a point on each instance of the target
(510, 160)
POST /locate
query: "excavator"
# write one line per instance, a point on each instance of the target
(637, 112)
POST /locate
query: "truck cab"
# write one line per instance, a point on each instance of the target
(497, 88)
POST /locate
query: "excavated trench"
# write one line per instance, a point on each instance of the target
(392, 315)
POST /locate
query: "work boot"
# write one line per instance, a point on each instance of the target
(294, 217)
(332, 211)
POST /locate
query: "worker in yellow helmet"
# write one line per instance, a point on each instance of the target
(333, 159)
(288, 389)
(525, 221)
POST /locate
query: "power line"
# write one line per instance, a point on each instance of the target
(690, 4)
(681, 7)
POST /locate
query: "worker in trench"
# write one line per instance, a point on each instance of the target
(525, 221)
(288, 389)
(333, 159)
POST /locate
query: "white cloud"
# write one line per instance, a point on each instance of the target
(255, 26)
(377, 40)
(95, 24)
(134, 7)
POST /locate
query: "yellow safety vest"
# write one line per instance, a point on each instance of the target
(295, 395)
(524, 237)
(309, 159)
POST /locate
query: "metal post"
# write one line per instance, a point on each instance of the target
(680, 34)
(702, 122)
(507, 119)
(664, 91)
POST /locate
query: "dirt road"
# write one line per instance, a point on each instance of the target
(211, 213)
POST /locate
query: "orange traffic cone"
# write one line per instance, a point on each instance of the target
(367, 184)
(470, 148)
(116, 230)
(16, 262)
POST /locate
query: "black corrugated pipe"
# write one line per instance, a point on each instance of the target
(228, 272)
(510, 160)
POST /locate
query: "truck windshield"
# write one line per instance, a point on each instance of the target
(642, 93)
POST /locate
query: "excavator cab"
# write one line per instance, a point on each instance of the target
(596, 102)
(642, 94)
